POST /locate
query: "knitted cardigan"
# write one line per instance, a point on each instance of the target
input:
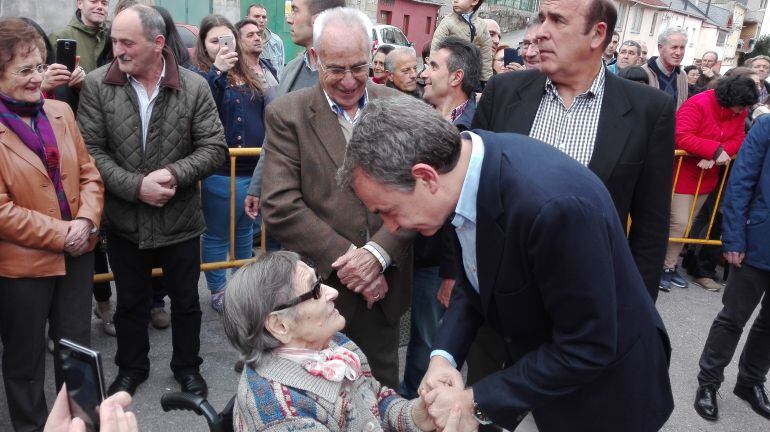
(280, 395)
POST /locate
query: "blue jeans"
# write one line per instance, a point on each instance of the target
(425, 315)
(215, 201)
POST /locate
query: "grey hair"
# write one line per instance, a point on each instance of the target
(711, 52)
(634, 44)
(390, 60)
(751, 61)
(152, 22)
(532, 24)
(345, 17)
(667, 33)
(252, 294)
(394, 134)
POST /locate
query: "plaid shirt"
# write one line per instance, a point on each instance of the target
(571, 130)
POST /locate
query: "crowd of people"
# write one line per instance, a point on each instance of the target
(521, 210)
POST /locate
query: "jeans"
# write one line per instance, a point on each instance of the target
(215, 197)
(425, 315)
(745, 289)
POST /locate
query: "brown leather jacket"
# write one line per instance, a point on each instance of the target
(31, 230)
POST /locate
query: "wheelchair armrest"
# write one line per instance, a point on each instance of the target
(190, 402)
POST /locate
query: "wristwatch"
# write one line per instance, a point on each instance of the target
(479, 415)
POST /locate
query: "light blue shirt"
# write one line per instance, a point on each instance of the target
(465, 220)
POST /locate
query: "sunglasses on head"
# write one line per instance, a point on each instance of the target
(314, 293)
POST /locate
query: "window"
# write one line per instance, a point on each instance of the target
(636, 23)
(721, 38)
(654, 24)
(384, 17)
(406, 25)
(428, 26)
(621, 14)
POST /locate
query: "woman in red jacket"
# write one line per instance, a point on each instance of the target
(709, 126)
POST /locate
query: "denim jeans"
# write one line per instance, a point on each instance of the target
(425, 315)
(215, 201)
(746, 288)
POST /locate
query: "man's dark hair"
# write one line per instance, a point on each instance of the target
(255, 5)
(385, 49)
(634, 73)
(736, 91)
(687, 69)
(463, 56)
(244, 22)
(318, 6)
(601, 11)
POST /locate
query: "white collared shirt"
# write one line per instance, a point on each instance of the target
(146, 102)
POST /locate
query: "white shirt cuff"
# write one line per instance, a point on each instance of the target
(382, 256)
(446, 355)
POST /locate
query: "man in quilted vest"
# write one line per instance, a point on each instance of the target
(154, 132)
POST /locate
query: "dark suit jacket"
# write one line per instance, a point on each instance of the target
(587, 350)
(304, 208)
(633, 154)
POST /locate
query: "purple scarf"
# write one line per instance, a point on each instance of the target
(41, 140)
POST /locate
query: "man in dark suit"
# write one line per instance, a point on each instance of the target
(627, 139)
(545, 262)
(306, 134)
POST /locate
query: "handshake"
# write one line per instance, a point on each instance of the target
(444, 404)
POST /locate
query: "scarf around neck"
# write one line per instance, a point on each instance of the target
(39, 138)
(333, 364)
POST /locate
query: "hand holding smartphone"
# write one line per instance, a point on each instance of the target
(82, 371)
(66, 50)
(227, 41)
(511, 55)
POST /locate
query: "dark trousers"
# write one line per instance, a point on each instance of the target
(133, 281)
(745, 289)
(25, 306)
(103, 292)
(486, 356)
(701, 260)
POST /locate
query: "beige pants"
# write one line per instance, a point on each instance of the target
(680, 214)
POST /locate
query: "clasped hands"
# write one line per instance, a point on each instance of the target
(445, 404)
(78, 233)
(360, 271)
(722, 159)
(157, 188)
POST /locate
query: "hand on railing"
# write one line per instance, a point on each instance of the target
(706, 163)
(723, 158)
(251, 206)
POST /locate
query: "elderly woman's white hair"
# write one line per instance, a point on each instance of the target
(253, 292)
(345, 17)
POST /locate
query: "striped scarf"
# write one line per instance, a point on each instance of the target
(39, 138)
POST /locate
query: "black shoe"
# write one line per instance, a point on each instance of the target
(756, 397)
(239, 366)
(124, 383)
(195, 384)
(706, 402)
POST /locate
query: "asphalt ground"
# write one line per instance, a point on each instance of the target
(688, 314)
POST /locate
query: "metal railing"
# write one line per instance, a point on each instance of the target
(220, 265)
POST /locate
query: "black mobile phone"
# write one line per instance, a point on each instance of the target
(511, 55)
(66, 50)
(82, 371)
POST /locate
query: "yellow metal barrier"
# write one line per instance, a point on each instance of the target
(230, 263)
(680, 155)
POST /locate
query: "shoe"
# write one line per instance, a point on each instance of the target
(677, 280)
(218, 301)
(159, 318)
(665, 280)
(103, 311)
(195, 384)
(239, 366)
(124, 383)
(756, 397)
(708, 284)
(706, 402)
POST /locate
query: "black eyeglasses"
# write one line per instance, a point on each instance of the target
(314, 292)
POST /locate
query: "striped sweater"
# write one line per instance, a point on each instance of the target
(280, 395)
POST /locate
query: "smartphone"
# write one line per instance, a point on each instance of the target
(66, 50)
(227, 41)
(511, 55)
(82, 371)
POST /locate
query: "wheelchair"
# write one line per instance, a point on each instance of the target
(218, 422)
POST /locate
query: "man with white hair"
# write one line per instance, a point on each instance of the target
(664, 71)
(401, 70)
(307, 133)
